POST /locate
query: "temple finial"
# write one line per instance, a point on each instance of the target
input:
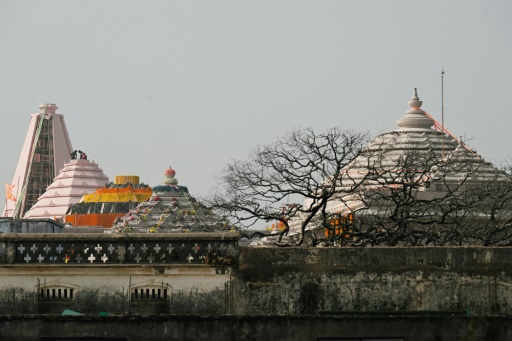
(415, 94)
(415, 118)
(415, 102)
(169, 179)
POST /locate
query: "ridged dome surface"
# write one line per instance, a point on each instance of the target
(76, 178)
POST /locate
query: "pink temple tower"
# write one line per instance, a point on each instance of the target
(45, 151)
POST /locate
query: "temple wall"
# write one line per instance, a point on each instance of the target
(150, 274)
(255, 327)
(160, 289)
(316, 282)
(10, 225)
(310, 280)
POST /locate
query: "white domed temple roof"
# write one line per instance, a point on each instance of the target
(76, 178)
(415, 136)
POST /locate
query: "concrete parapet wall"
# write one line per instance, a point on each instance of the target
(121, 273)
(131, 328)
(11, 225)
(308, 280)
(276, 281)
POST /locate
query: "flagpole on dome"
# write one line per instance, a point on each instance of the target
(442, 111)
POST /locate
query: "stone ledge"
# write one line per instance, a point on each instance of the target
(228, 236)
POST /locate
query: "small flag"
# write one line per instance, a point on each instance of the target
(8, 192)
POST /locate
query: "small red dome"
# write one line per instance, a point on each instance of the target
(170, 173)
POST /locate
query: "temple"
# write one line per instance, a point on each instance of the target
(415, 137)
(45, 150)
(105, 205)
(171, 208)
(400, 156)
(77, 178)
(62, 285)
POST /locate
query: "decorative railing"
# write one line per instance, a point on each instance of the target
(73, 249)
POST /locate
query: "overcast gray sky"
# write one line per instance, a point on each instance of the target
(195, 84)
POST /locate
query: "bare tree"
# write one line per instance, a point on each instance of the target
(355, 196)
(302, 166)
(419, 198)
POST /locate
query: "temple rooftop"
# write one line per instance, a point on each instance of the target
(77, 177)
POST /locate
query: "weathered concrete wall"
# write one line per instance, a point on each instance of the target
(307, 280)
(148, 274)
(292, 281)
(199, 290)
(131, 328)
(10, 225)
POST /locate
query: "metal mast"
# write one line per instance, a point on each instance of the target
(442, 111)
